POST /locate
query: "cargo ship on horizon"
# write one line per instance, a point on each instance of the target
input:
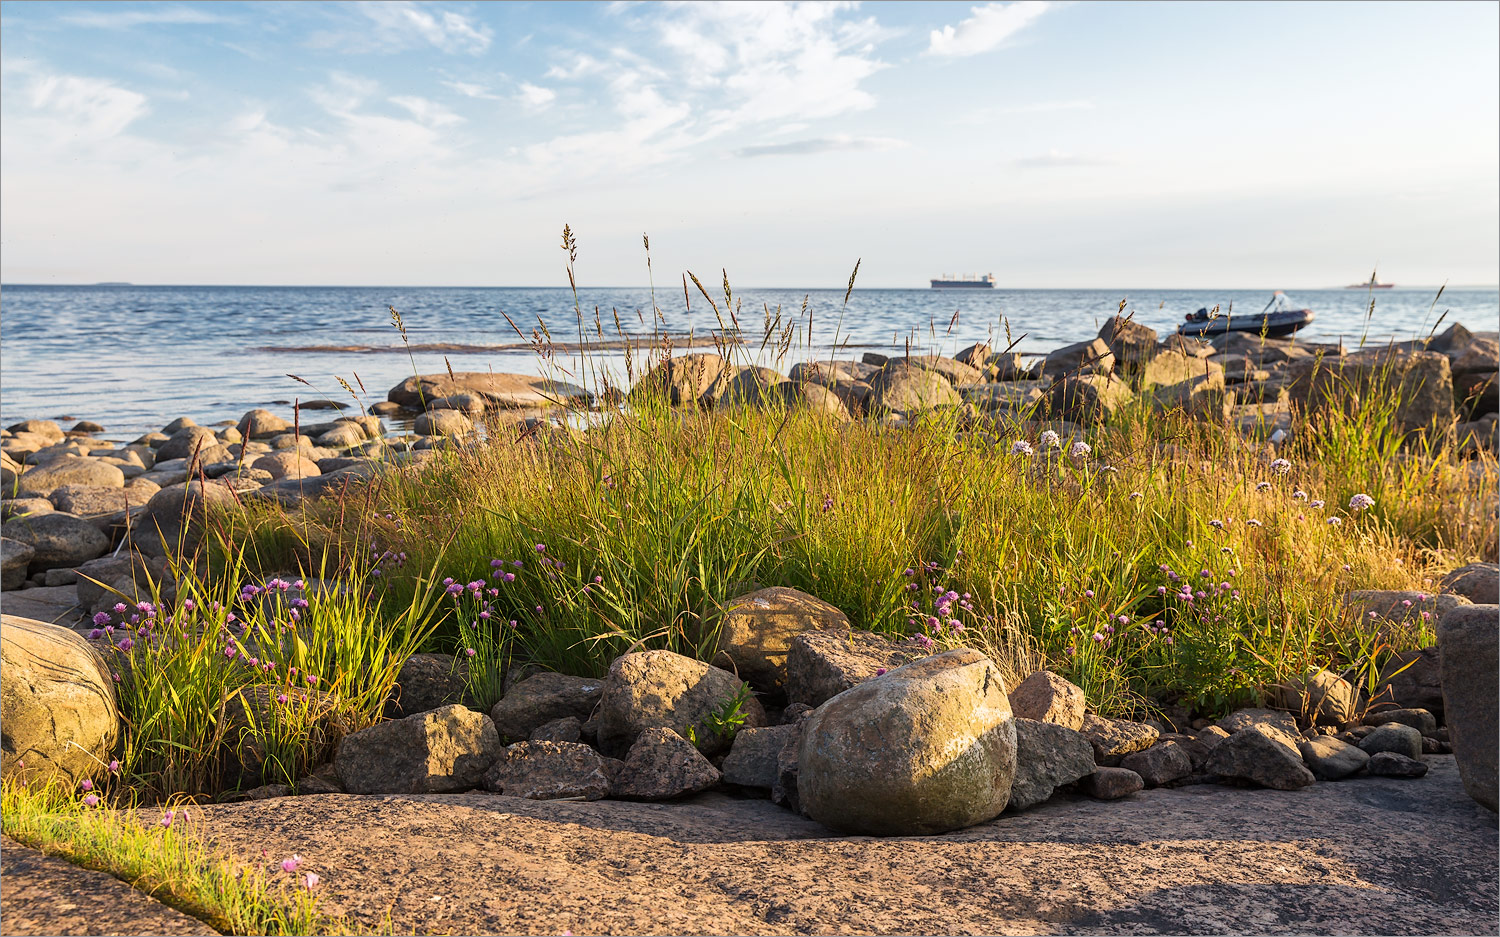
(969, 282)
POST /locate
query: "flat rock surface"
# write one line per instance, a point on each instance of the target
(1366, 856)
(41, 894)
(53, 604)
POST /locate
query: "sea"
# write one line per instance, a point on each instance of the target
(135, 357)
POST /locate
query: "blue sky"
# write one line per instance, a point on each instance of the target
(1055, 144)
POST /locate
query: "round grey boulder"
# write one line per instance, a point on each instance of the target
(60, 540)
(443, 423)
(44, 479)
(1393, 737)
(926, 748)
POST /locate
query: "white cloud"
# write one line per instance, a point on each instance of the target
(125, 19)
(471, 90)
(536, 97)
(990, 25)
(393, 25)
(819, 145)
(426, 112)
(82, 109)
(701, 71)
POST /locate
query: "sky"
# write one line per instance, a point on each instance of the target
(1065, 145)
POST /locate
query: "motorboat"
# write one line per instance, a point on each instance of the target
(1277, 319)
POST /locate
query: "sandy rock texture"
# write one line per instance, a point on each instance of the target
(1200, 859)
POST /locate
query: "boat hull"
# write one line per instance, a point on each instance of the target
(1274, 324)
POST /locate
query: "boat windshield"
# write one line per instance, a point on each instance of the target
(1278, 303)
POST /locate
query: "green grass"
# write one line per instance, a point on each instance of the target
(173, 864)
(674, 511)
(568, 547)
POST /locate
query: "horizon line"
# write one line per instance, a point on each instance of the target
(832, 288)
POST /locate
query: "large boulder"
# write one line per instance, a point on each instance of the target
(1090, 357)
(502, 391)
(1087, 398)
(905, 388)
(749, 386)
(1477, 582)
(757, 629)
(832, 372)
(443, 423)
(289, 463)
(954, 372)
(1241, 719)
(46, 429)
(662, 765)
(1330, 759)
(42, 480)
(93, 500)
(1113, 739)
(926, 748)
(1393, 737)
(752, 761)
(57, 703)
(822, 664)
(444, 751)
(542, 698)
(1174, 367)
(1478, 356)
(1132, 343)
(1048, 756)
(663, 690)
(685, 379)
(549, 771)
(262, 424)
(59, 540)
(1421, 381)
(1162, 763)
(174, 518)
(186, 442)
(1468, 639)
(427, 682)
(1261, 754)
(1046, 697)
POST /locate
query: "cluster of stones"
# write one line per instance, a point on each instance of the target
(1447, 384)
(72, 498)
(861, 733)
(82, 510)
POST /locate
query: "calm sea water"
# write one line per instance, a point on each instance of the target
(134, 358)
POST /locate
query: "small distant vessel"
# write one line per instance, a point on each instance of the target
(969, 282)
(113, 283)
(1277, 319)
(1374, 284)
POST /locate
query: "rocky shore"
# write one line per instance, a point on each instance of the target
(71, 497)
(864, 735)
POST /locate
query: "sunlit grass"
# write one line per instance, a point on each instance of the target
(171, 863)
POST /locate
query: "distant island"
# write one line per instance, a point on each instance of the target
(114, 283)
